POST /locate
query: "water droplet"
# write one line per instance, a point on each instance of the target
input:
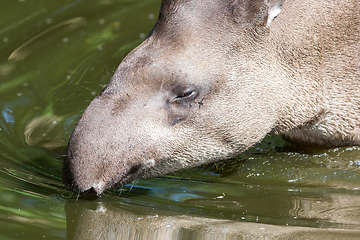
(117, 26)
(102, 21)
(49, 21)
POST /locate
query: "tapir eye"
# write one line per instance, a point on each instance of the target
(185, 94)
(188, 95)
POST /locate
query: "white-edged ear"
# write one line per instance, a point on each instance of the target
(274, 10)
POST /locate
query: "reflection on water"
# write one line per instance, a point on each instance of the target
(38, 132)
(46, 37)
(55, 56)
(109, 220)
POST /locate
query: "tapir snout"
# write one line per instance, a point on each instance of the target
(212, 79)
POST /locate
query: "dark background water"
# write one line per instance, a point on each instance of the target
(55, 57)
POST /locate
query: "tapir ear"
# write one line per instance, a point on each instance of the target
(259, 13)
(274, 9)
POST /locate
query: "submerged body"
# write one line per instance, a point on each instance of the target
(212, 79)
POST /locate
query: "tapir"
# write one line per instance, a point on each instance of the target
(214, 78)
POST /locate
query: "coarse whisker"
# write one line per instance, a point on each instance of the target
(78, 196)
(133, 184)
(107, 72)
(121, 190)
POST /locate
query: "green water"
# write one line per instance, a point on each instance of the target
(55, 57)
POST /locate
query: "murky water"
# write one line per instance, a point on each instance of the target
(55, 56)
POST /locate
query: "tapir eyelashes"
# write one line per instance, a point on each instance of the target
(186, 95)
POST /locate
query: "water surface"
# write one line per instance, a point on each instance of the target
(55, 57)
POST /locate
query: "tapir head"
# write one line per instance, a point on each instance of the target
(192, 93)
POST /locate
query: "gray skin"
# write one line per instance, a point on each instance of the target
(214, 78)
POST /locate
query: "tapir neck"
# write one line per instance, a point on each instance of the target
(315, 51)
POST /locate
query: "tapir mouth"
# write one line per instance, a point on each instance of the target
(98, 187)
(133, 173)
(116, 178)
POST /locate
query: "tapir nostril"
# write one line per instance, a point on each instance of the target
(99, 187)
